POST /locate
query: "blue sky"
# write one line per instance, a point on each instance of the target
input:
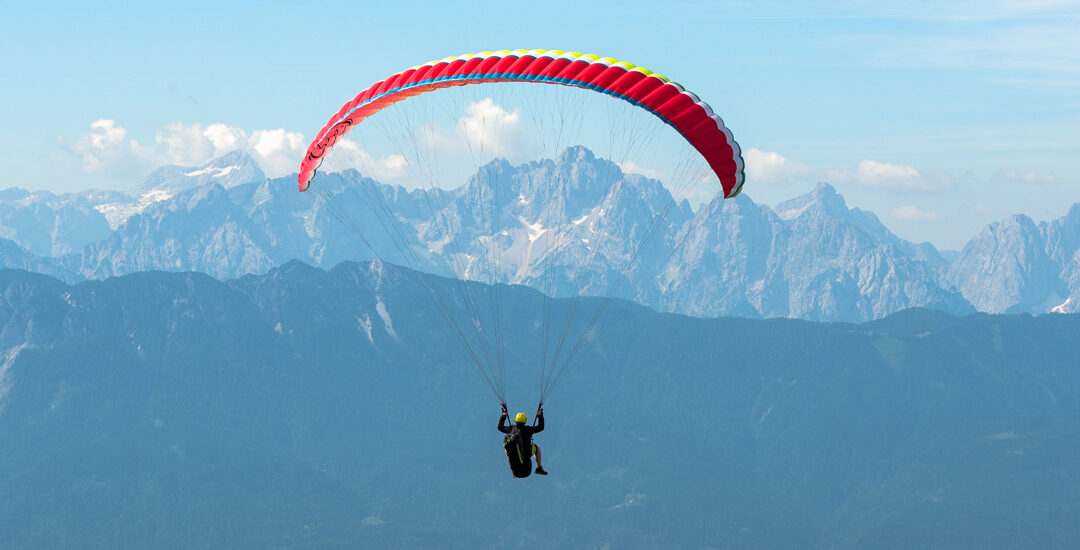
(938, 116)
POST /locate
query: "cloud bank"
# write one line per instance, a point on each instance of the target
(872, 173)
(772, 167)
(106, 148)
(485, 131)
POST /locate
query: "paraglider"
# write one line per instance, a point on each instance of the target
(653, 97)
(518, 442)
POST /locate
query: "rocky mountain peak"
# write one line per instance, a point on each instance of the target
(229, 170)
(823, 199)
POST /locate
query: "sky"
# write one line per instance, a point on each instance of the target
(940, 117)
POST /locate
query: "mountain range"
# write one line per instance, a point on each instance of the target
(572, 225)
(326, 409)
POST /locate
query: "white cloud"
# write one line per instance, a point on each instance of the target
(98, 148)
(224, 137)
(631, 167)
(106, 148)
(278, 152)
(104, 133)
(772, 167)
(489, 127)
(349, 154)
(176, 143)
(485, 131)
(873, 173)
(912, 213)
(1028, 177)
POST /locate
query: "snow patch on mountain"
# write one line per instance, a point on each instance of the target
(213, 171)
(1061, 308)
(119, 212)
(384, 314)
(7, 359)
(364, 324)
(792, 213)
(230, 170)
(535, 230)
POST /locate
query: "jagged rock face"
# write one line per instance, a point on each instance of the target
(201, 230)
(50, 225)
(813, 258)
(726, 253)
(1017, 266)
(842, 264)
(229, 170)
(1063, 248)
(566, 226)
(13, 256)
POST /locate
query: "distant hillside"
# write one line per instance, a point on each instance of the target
(332, 409)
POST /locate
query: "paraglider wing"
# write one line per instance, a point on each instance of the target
(680, 109)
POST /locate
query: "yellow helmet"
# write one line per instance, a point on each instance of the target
(521, 418)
